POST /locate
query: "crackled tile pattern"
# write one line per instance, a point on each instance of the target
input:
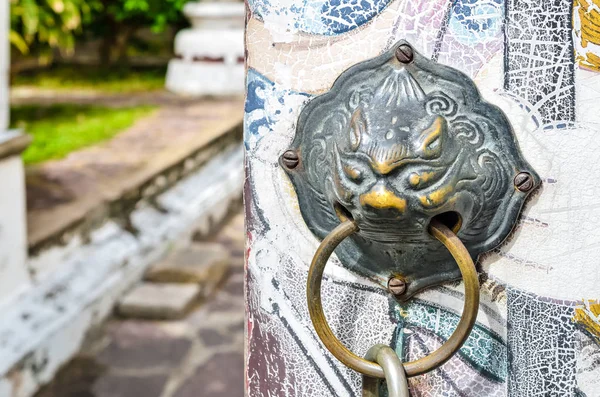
(541, 340)
(306, 366)
(483, 350)
(474, 28)
(528, 339)
(457, 377)
(266, 105)
(329, 17)
(539, 57)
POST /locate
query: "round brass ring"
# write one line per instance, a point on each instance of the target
(413, 368)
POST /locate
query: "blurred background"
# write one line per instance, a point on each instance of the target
(121, 176)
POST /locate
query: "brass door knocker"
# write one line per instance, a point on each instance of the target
(418, 367)
(403, 154)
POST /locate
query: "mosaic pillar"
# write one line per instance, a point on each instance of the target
(538, 329)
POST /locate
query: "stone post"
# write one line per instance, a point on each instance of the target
(4, 63)
(210, 54)
(14, 276)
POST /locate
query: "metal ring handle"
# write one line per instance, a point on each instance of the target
(413, 368)
(395, 377)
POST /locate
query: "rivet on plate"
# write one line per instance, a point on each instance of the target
(523, 182)
(290, 159)
(404, 53)
(396, 286)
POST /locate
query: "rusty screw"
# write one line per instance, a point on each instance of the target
(404, 53)
(290, 159)
(396, 286)
(523, 182)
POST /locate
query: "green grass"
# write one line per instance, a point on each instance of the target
(60, 129)
(109, 80)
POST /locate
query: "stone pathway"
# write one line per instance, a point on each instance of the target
(41, 96)
(94, 182)
(198, 356)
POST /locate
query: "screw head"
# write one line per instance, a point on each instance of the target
(396, 286)
(404, 53)
(290, 159)
(523, 182)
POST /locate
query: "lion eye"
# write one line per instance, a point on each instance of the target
(434, 145)
(414, 179)
(423, 179)
(353, 173)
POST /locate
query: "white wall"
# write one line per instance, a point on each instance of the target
(13, 240)
(4, 63)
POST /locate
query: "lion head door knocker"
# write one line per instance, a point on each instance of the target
(401, 142)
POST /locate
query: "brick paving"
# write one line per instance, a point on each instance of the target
(200, 355)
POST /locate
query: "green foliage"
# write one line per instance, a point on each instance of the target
(60, 129)
(111, 80)
(117, 21)
(47, 24)
(156, 14)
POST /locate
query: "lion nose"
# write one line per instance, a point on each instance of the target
(380, 197)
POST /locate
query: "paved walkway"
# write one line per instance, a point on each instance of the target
(198, 356)
(41, 96)
(90, 182)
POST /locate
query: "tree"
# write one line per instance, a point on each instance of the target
(46, 25)
(43, 26)
(116, 21)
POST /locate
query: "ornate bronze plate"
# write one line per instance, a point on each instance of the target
(397, 141)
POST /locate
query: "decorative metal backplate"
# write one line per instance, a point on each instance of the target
(398, 140)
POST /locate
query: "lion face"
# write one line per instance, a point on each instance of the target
(393, 145)
(391, 166)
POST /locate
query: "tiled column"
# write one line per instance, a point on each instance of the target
(538, 329)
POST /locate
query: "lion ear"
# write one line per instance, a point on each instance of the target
(358, 127)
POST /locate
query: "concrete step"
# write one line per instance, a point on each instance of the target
(204, 264)
(158, 301)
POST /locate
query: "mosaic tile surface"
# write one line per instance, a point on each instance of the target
(537, 330)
